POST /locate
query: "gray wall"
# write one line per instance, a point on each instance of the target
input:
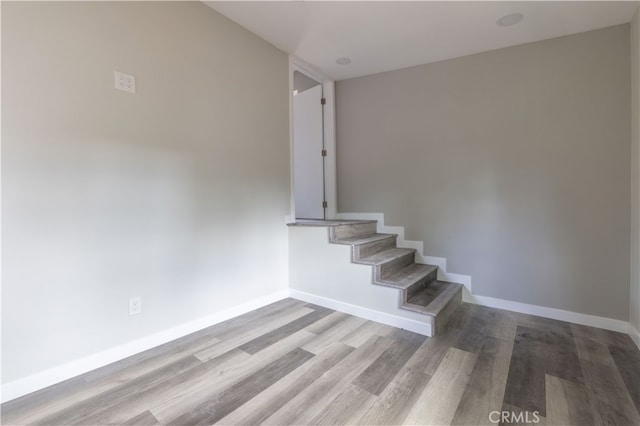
(176, 194)
(513, 164)
(301, 82)
(634, 314)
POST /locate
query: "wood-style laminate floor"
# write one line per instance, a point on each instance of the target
(295, 363)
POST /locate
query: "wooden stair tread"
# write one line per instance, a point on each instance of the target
(433, 298)
(385, 256)
(329, 222)
(409, 275)
(356, 241)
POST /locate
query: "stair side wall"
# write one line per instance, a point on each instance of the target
(344, 285)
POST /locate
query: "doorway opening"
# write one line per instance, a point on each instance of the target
(313, 143)
(309, 150)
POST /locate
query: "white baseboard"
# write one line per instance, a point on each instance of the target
(358, 311)
(634, 334)
(63, 372)
(552, 313)
(469, 297)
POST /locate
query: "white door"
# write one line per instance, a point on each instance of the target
(308, 174)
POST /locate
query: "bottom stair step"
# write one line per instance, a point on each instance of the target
(440, 299)
(433, 298)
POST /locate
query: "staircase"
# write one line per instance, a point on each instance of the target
(395, 267)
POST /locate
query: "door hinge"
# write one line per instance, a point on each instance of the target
(324, 152)
(323, 101)
(324, 204)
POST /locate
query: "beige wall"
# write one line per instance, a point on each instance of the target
(176, 194)
(513, 164)
(634, 308)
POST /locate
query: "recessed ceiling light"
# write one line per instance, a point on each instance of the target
(343, 61)
(511, 19)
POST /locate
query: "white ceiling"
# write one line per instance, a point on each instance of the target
(381, 36)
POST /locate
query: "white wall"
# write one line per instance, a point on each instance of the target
(512, 164)
(176, 194)
(634, 307)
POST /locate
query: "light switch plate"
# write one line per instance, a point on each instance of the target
(125, 82)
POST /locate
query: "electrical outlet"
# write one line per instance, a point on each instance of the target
(135, 305)
(125, 82)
